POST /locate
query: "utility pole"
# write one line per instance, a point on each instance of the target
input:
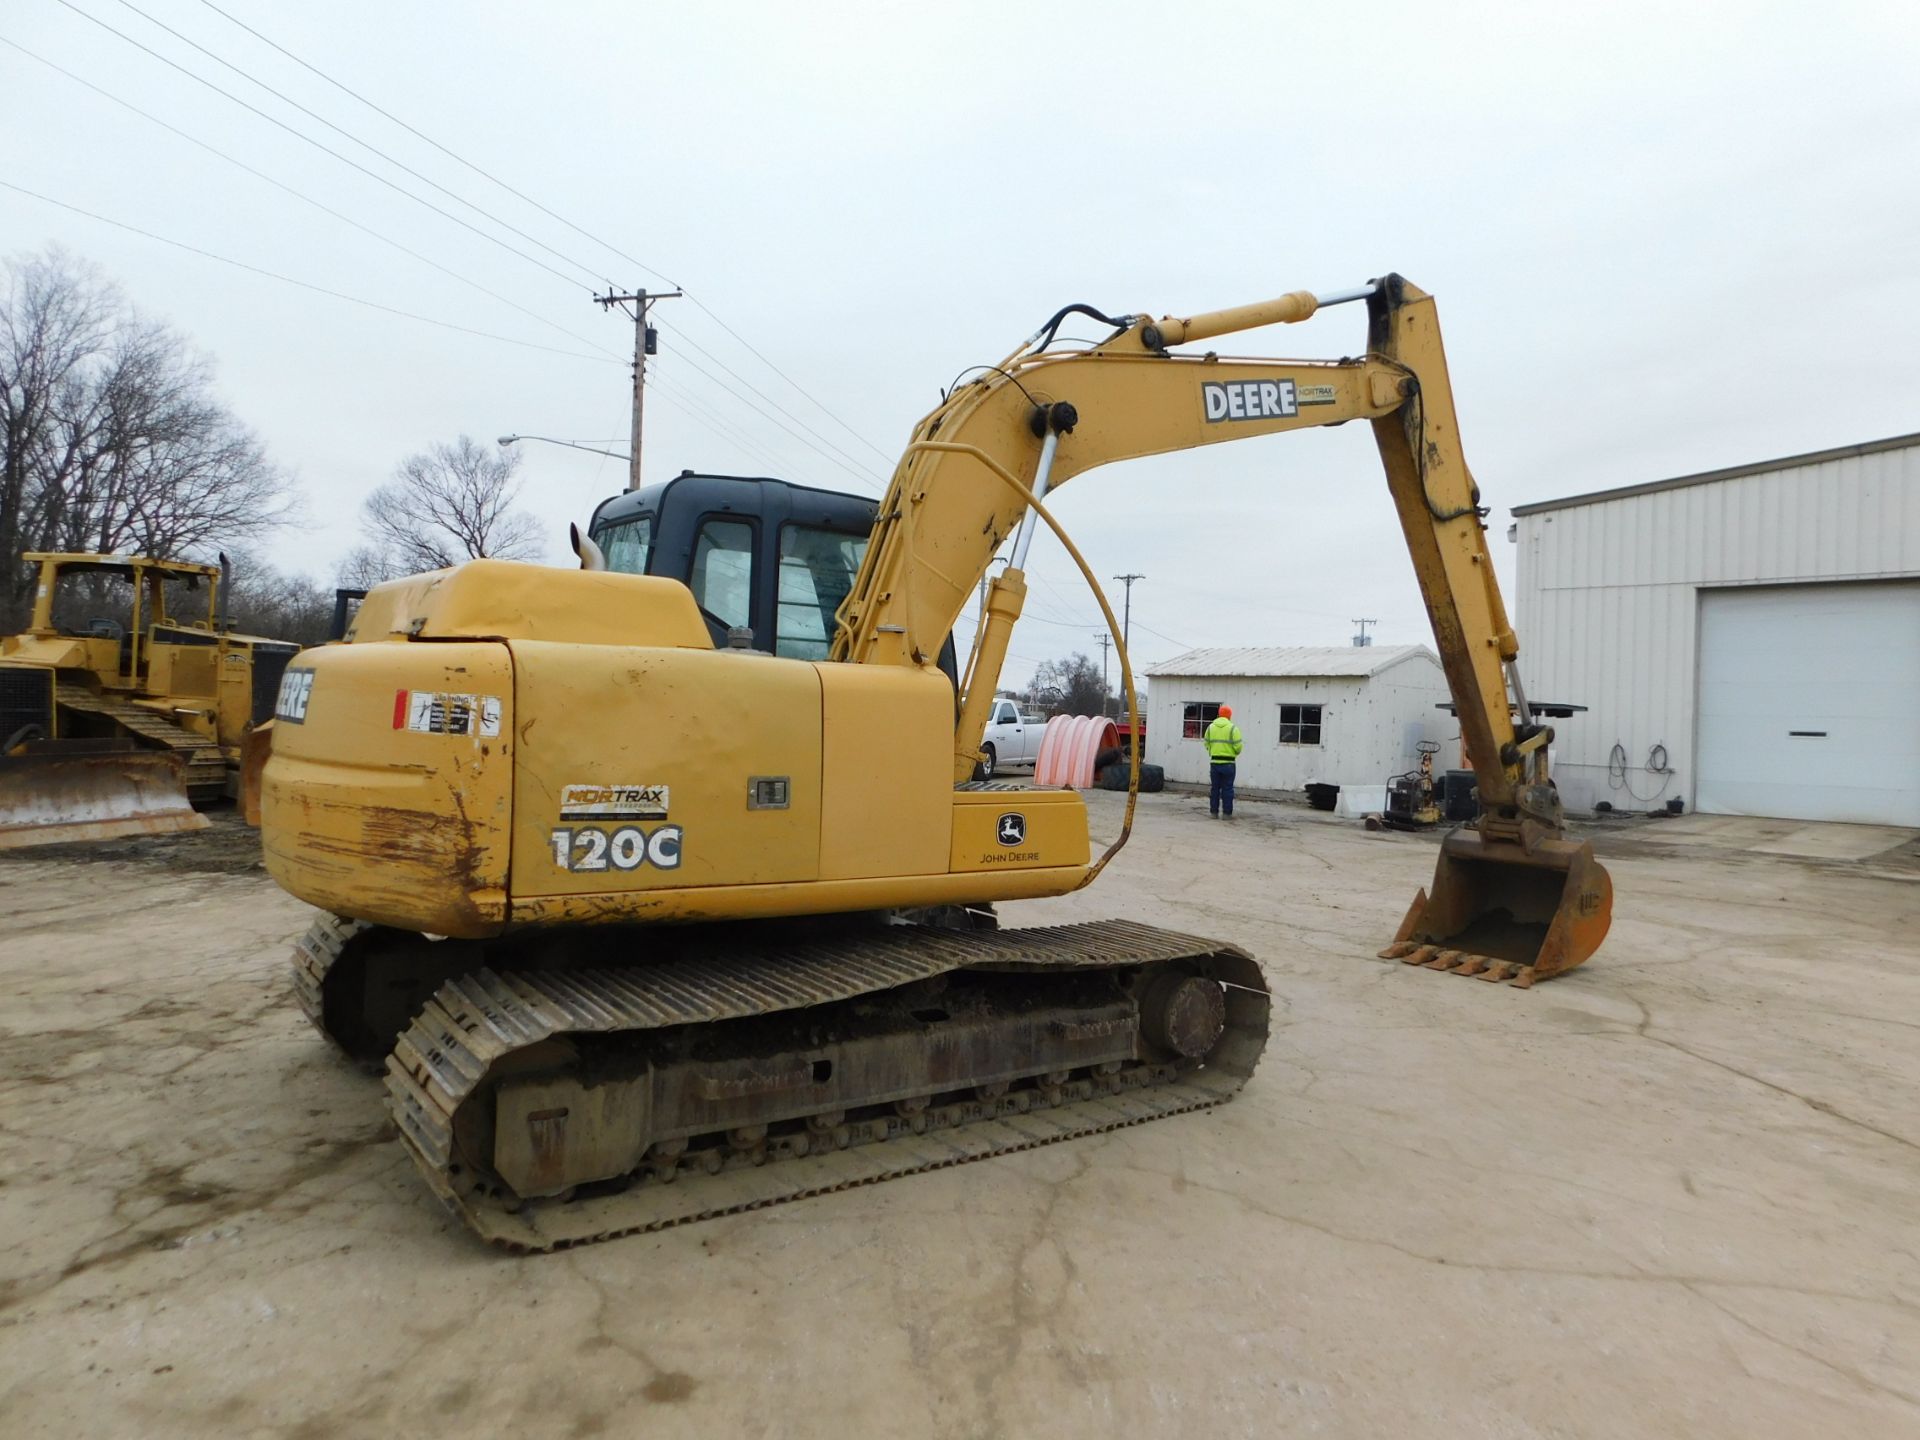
(1126, 617)
(646, 341)
(1105, 641)
(1361, 639)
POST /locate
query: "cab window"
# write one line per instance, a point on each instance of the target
(722, 580)
(817, 568)
(625, 545)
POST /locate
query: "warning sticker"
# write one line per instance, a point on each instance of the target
(432, 712)
(613, 802)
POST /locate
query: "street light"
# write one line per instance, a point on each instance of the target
(513, 439)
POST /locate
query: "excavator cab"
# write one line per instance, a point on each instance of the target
(769, 562)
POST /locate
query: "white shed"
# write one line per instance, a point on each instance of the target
(1747, 640)
(1344, 715)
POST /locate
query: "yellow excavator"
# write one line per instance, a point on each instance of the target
(663, 886)
(117, 716)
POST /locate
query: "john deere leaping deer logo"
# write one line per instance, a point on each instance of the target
(1013, 829)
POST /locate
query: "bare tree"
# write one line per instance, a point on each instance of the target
(366, 566)
(451, 503)
(53, 320)
(263, 600)
(112, 437)
(1072, 686)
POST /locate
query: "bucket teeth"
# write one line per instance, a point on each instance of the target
(1463, 962)
(1541, 901)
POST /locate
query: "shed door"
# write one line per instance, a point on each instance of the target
(1810, 703)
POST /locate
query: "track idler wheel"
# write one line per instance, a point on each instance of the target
(1183, 1013)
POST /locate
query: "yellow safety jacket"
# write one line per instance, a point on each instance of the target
(1223, 740)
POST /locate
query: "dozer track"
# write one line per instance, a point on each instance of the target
(556, 1106)
(206, 768)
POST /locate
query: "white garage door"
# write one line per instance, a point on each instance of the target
(1810, 703)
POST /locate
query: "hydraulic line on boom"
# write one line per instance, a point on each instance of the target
(1512, 899)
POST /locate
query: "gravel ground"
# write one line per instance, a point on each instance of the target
(1672, 1193)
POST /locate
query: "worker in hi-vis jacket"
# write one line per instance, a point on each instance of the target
(1224, 744)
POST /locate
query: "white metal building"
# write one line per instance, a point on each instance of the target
(1747, 640)
(1342, 715)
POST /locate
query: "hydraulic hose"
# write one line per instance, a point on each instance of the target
(1025, 492)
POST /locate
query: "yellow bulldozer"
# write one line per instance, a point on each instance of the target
(116, 718)
(668, 893)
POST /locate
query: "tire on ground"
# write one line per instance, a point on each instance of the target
(1153, 778)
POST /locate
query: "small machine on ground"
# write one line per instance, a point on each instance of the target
(664, 887)
(1411, 800)
(113, 726)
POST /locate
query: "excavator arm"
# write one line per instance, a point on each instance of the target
(1513, 899)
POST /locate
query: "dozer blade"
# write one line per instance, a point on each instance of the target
(59, 790)
(1503, 912)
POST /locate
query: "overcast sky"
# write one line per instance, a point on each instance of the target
(1663, 238)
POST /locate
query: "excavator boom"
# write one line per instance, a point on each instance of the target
(1512, 898)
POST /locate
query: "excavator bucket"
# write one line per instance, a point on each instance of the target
(1502, 911)
(59, 790)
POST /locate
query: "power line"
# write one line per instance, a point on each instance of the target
(553, 215)
(1164, 636)
(862, 467)
(422, 135)
(363, 144)
(302, 284)
(420, 200)
(842, 464)
(374, 175)
(720, 426)
(821, 407)
(299, 135)
(301, 196)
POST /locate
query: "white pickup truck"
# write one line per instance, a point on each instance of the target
(1012, 740)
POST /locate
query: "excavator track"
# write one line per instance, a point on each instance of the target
(206, 767)
(645, 1096)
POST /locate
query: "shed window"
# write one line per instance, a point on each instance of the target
(1195, 716)
(1299, 724)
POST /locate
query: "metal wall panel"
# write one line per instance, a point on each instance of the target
(1607, 607)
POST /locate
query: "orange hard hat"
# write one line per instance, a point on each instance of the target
(1227, 710)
